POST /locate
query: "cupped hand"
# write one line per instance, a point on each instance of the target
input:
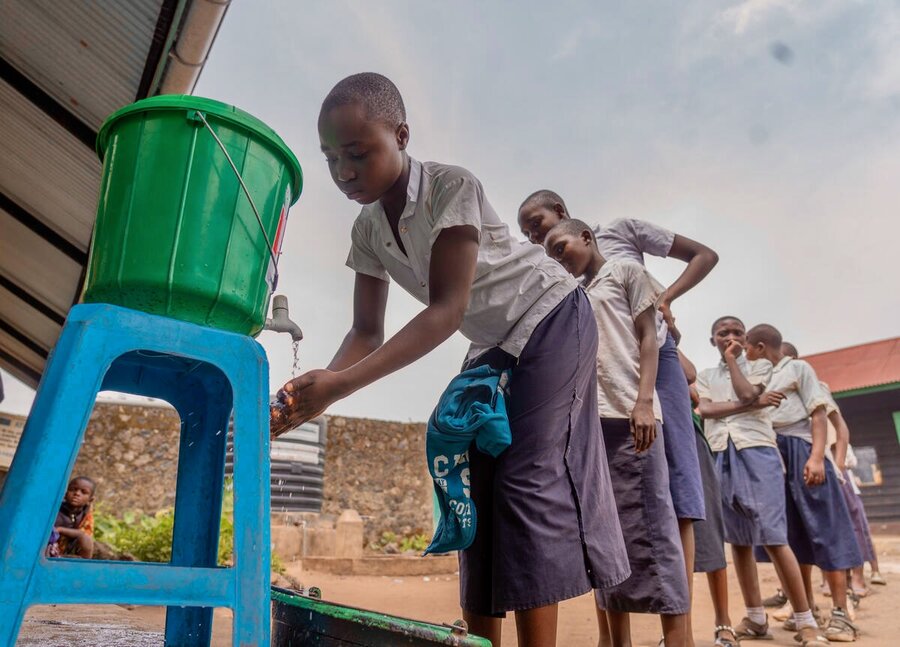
(769, 399)
(304, 398)
(814, 471)
(643, 427)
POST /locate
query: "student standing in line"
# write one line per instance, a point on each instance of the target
(623, 296)
(736, 407)
(547, 526)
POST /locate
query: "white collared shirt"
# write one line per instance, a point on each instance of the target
(797, 380)
(620, 292)
(751, 428)
(516, 284)
(630, 238)
(627, 238)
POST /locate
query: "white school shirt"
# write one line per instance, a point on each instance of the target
(631, 239)
(620, 292)
(752, 428)
(516, 284)
(797, 380)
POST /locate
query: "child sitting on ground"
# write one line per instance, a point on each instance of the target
(75, 519)
(623, 296)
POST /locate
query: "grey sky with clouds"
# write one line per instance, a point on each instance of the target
(767, 129)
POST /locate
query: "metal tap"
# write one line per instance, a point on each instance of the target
(280, 321)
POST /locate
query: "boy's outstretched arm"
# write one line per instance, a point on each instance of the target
(367, 332)
(451, 273)
(643, 422)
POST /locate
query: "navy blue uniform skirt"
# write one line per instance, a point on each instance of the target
(547, 527)
(709, 534)
(678, 428)
(753, 496)
(658, 582)
(819, 528)
(859, 519)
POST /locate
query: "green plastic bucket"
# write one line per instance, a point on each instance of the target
(180, 232)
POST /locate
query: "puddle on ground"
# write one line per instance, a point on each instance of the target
(56, 633)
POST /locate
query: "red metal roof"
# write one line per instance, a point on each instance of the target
(858, 367)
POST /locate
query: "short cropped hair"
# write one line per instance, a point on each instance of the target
(790, 349)
(712, 329)
(572, 227)
(765, 333)
(85, 478)
(544, 198)
(376, 93)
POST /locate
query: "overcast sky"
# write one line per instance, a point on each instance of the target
(767, 129)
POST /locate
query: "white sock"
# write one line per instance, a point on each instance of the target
(805, 619)
(757, 614)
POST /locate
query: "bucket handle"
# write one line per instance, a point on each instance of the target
(196, 115)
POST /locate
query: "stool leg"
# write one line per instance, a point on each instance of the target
(198, 502)
(252, 544)
(36, 482)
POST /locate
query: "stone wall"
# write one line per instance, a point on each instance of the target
(132, 453)
(375, 467)
(378, 468)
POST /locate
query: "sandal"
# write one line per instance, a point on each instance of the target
(790, 624)
(775, 601)
(811, 637)
(749, 630)
(878, 578)
(725, 641)
(841, 629)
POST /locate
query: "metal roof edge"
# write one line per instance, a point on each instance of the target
(866, 390)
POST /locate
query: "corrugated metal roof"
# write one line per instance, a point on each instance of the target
(46, 170)
(859, 367)
(89, 56)
(32, 263)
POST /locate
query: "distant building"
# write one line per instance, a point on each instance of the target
(865, 381)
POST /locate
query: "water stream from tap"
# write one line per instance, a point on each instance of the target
(296, 366)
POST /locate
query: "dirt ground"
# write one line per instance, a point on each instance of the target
(434, 598)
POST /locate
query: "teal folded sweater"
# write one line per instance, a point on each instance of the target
(473, 407)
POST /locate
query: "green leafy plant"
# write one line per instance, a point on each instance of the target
(417, 542)
(149, 537)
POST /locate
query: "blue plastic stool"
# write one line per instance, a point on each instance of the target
(201, 372)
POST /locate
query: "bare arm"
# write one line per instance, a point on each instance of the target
(690, 371)
(643, 422)
(451, 274)
(843, 438)
(710, 409)
(814, 470)
(700, 260)
(743, 389)
(367, 332)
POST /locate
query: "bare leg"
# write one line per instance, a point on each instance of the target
(874, 565)
(718, 591)
(857, 579)
(537, 627)
(748, 580)
(837, 582)
(619, 628)
(85, 548)
(674, 630)
(806, 572)
(686, 530)
(605, 639)
(484, 626)
(791, 577)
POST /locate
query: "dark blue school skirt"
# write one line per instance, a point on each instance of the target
(709, 534)
(658, 582)
(819, 528)
(859, 519)
(678, 428)
(547, 524)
